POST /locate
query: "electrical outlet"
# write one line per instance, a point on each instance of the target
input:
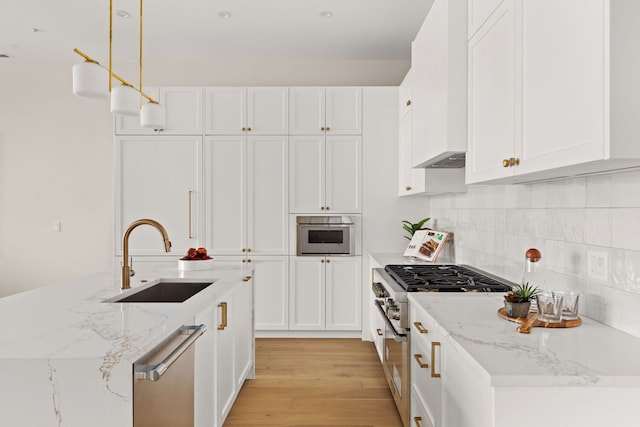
(57, 227)
(597, 265)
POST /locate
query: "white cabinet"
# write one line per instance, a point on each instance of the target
(420, 181)
(254, 110)
(205, 367)
(319, 111)
(325, 293)
(183, 113)
(439, 79)
(532, 120)
(159, 177)
(479, 12)
(271, 287)
(247, 195)
(426, 367)
(325, 174)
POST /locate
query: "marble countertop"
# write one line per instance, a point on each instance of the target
(592, 354)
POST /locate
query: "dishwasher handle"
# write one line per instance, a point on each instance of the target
(154, 372)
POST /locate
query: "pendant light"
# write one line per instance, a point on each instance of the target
(152, 114)
(90, 80)
(125, 100)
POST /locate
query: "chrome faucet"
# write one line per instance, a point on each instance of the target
(127, 272)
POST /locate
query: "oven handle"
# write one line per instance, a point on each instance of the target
(397, 337)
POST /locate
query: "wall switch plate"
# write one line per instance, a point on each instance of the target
(57, 226)
(597, 265)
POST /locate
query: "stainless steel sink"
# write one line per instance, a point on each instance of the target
(166, 292)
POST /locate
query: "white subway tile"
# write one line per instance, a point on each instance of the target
(625, 314)
(597, 303)
(575, 192)
(598, 191)
(574, 220)
(625, 228)
(625, 189)
(553, 258)
(597, 228)
(555, 194)
(625, 270)
(575, 263)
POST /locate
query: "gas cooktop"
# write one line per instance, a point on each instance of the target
(444, 278)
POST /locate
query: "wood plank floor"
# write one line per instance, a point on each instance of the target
(315, 382)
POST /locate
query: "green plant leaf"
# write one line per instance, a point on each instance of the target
(420, 223)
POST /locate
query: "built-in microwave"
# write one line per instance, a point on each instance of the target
(325, 235)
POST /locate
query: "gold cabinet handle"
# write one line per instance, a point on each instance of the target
(223, 323)
(190, 212)
(379, 332)
(420, 328)
(417, 421)
(418, 358)
(246, 278)
(408, 102)
(433, 359)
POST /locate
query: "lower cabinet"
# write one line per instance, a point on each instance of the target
(325, 293)
(426, 370)
(224, 354)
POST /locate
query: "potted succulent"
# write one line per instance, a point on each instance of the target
(411, 228)
(518, 300)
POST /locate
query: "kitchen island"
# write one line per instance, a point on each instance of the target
(493, 376)
(66, 356)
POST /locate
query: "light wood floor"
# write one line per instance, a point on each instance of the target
(315, 382)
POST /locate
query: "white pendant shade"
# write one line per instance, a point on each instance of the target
(125, 100)
(90, 80)
(152, 116)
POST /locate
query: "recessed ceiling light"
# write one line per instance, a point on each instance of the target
(326, 14)
(122, 13)
(224, 14)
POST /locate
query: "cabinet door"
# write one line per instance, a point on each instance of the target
(243, 332)
(344, 111)
(412, 180)
(205, 376)
(225, 357)
(226, 195)
(306, 111)
(183, 110)
(405, 93)
(307, 293)
(492, 97)
(306, 174)
(343, 174)
(225, 110)
(160, 178)
(268, 110)
(343, 293)
(563, 116)
(479, 12)
(268, 195)
(271, 288)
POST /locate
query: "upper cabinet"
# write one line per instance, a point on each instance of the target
(439, 80)
(551, 95)
(479, 12)
(254, 111)
(183, 109)
(320, 111)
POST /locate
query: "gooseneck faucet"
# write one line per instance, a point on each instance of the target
(126, 269)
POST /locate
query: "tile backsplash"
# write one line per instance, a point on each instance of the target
(565, 219)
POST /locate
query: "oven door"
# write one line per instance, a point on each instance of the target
(396, 350)
(334, 239)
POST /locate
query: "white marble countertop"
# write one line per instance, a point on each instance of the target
(592, 354)
(66, 356)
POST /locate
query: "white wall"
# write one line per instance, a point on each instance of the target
(56, 161)
(495, 225)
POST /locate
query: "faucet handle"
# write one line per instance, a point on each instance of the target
(131, 270)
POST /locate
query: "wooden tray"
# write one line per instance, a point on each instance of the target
(531, 321)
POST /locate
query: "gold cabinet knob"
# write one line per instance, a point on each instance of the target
(321, 208)
(248, 249)
(248, 259)
(379, 332)
(249, 129)
(327, 208)
(408, 102)
(322, 260)
(505, 163)
(328, 129)
(408, 188)
(244, 250)
(514, 161)
(322, 129)
(244, 129)
(328, 261)
(244, 260)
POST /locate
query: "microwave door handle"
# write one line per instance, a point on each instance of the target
(397, 337)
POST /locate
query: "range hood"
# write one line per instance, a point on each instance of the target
(448, 160)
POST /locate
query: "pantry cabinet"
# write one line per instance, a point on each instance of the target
(325, 174)
(549, 99)
(253, 110)
(320, 111)
(183, 113)
(325, 293)
(159, 177)
(247, 195)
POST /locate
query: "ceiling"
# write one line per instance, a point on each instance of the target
(192, 29)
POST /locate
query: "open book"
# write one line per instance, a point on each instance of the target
(426, 244)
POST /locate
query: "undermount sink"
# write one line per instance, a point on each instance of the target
(166, 292)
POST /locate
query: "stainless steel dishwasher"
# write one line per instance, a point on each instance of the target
(163, 381)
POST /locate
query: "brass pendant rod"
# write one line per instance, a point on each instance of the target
(140, 59)
(115, 76)
(110, 44)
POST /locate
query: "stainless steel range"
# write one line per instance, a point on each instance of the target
(390, 286)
